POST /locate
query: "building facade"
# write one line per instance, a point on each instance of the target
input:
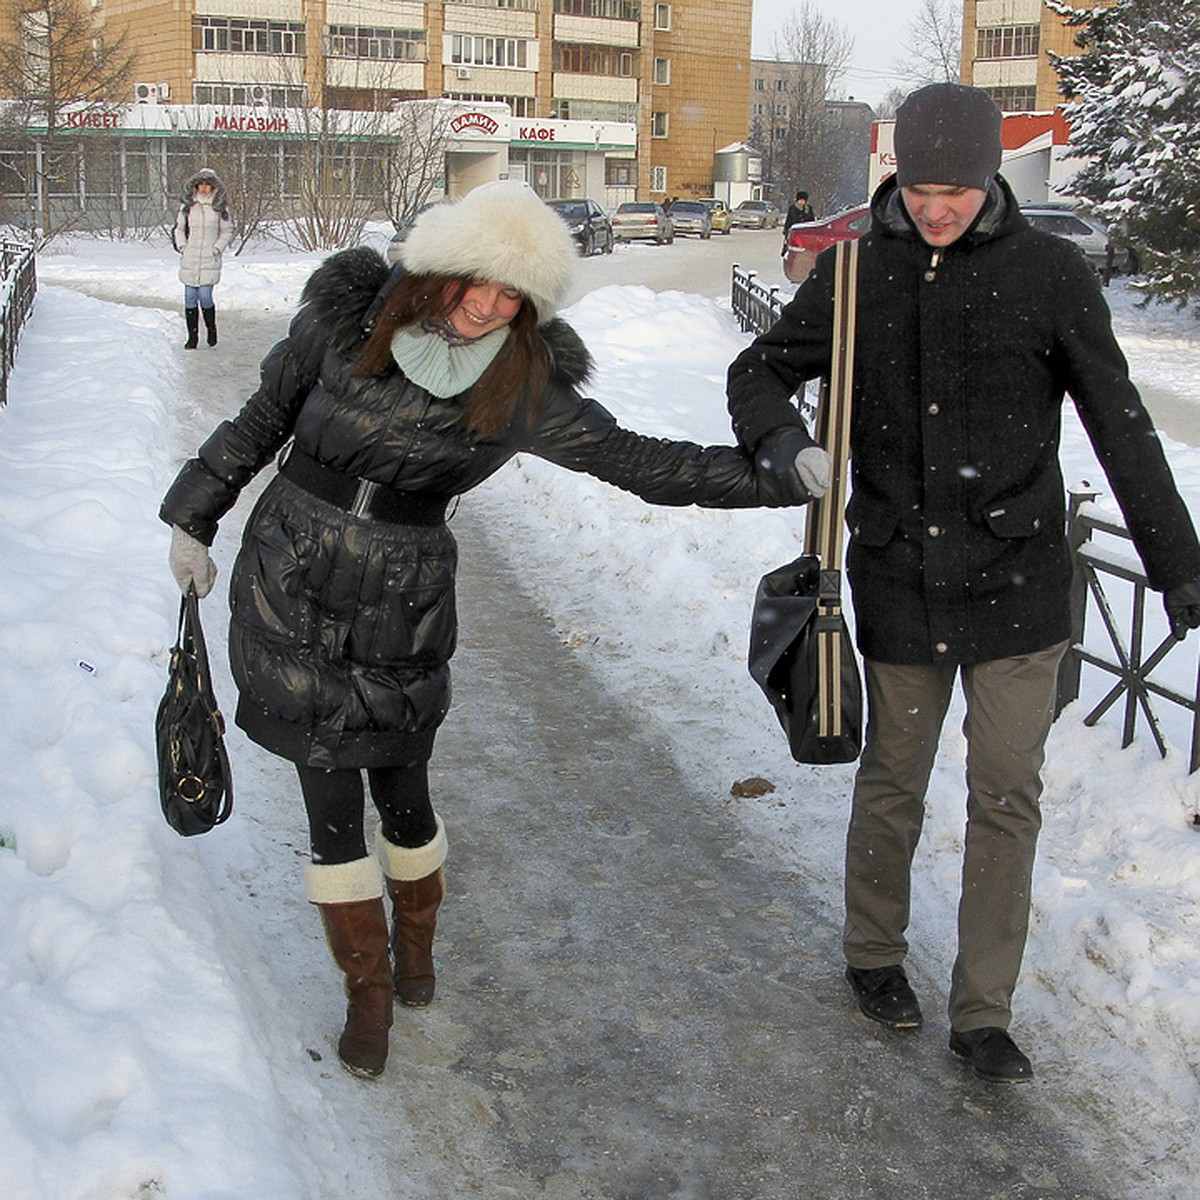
(674, 71)
(1006, 46)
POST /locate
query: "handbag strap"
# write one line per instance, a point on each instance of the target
(190, 640)
(825, 529)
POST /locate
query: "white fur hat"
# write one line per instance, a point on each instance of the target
(503, 232)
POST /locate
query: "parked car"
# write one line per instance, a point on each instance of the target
(1086, 232)
(756, 214)
(588, 224)
(690, 216)
(642, 219)
(718, 210)
(808, 238)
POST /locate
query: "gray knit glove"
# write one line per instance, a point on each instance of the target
(815, 468)
(190, 562)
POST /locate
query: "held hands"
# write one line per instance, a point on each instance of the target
(1183, 608)
(190, 563)
(789, 456)
(815, 469)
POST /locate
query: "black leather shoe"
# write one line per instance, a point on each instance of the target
(883, 995)
(993, 1054)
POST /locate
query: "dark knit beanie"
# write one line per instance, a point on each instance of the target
(948, 134)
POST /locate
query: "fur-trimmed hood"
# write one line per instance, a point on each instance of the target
(347, 290)
(220, 200)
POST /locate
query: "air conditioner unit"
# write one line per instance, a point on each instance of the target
(145, 93)
(258, 94)
(463, 73)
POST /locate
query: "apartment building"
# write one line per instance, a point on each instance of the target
(675, 72)
(1006, 46)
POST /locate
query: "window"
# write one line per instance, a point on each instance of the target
(781, 85)
(472, 51)
(591, 110)
(236, 35)
(247, 94)
(759, 108)
(781, 110)
(1007, 41)
(620, 10)
(620, 172)
(592, 60)
(353, 41)
(760, 85)
(662, 16)
(660, 123)
(1014, 99)
(658, 179)
(522, 106)
(662, 70)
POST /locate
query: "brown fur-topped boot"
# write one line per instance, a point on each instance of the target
(356, 929)
(416, 884)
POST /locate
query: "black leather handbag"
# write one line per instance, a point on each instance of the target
(194, 782)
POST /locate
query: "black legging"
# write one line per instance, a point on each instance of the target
(334, 800)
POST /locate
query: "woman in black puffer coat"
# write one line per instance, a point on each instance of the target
(399, 392)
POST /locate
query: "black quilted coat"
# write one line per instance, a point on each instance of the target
(343, 627)
(957, 511)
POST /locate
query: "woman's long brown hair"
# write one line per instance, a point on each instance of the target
(522, 364)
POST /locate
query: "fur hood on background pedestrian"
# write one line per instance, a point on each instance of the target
(220, 195)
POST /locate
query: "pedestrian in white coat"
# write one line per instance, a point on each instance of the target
(203, 229)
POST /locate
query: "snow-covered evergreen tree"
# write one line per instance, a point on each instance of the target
(1136, 116)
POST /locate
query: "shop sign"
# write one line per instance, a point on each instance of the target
(475, 122)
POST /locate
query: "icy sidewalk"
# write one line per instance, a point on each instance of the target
(647, 1007)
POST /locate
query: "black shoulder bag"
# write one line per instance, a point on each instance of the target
(194, 782)
(801, 652)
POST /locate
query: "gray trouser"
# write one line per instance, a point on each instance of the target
(1010, 706)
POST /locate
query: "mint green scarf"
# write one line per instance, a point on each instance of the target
(442, 368)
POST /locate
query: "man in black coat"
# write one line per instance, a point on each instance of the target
(971, 328)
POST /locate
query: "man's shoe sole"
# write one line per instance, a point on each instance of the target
(900, 1026)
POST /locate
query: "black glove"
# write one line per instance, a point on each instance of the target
(779, 454)
(1183, 607)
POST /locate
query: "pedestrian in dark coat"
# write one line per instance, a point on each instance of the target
(399, 392)
(203, 231)
(971, 328)
(798, 212)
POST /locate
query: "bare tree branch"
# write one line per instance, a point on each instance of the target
(55, 60)
(934, 45)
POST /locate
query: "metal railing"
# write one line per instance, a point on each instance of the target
(18, 286)
(756, 306)
(1132, 665)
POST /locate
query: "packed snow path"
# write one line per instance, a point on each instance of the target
(635, 1001)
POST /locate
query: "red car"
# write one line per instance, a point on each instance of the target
(806, 240)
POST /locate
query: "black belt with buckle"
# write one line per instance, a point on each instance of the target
(362, 497)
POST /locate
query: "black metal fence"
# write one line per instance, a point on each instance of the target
(18, 286)
(756, 306)
(1133, 659)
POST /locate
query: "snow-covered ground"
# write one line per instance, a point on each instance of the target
(137, 1060)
